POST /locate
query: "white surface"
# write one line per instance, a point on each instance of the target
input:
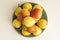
(7, 31)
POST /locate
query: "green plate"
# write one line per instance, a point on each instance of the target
(44, 16)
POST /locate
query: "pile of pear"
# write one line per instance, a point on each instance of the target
(29, 18)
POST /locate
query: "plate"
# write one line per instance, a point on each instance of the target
(44, 16)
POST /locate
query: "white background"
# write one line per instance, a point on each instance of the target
(52, 32)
